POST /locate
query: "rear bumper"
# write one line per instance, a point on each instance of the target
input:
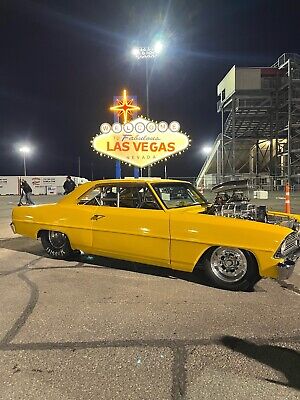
(286, 268)
(13, 228)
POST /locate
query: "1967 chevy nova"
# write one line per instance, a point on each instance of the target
(166, 223)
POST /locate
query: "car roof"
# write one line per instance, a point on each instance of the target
(138, 180)
(82, 189)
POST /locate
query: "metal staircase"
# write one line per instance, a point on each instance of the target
(260, 112)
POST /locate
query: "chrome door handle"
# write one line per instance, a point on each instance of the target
(97, 216)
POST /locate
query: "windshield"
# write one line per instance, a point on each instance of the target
(175, 195)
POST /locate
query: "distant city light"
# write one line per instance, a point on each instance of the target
(206, 150)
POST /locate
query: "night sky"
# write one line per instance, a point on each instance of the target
(62, 61)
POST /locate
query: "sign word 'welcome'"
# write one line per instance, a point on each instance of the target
(140, 142)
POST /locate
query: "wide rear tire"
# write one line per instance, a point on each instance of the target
(231, 268)
(56, 245)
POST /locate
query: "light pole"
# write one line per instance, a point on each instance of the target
(24, 150)
(146, 53)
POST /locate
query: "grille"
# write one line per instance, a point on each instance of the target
(291, 243)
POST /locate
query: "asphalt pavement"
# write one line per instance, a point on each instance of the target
(96, 328)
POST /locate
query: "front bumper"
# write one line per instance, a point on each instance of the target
(286, 268)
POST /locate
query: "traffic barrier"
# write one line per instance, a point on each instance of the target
(287, 199)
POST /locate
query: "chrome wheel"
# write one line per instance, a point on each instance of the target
(228, 264)
(57, 239)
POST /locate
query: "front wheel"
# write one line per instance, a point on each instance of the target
(56, 244)
(231, 268)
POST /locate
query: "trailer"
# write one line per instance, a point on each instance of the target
(41, 185)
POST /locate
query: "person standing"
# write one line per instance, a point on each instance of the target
(69, 185)
(26, 192)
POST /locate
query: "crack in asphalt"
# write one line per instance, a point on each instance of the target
(6, 273)
(77, 266)
(159, 343)
(33, 299)
(177, 346)
(179, 373)
(23, 268)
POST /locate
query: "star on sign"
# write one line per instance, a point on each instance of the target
(125, 107)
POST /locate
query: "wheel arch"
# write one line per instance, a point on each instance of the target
(43, 230)
(51, 229)
(40, 232)
(202, 257)
(207, 252)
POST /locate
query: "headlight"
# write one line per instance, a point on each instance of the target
(296, 226)
(283, 247)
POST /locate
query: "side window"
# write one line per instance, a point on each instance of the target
(100, 196)
(129, 197)
(176, 196)
(137, 197)
(109, 196)
(91, 198)
(125, 196)
(148, 201)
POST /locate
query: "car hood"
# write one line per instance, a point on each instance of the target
(232, 232)
(190, 209)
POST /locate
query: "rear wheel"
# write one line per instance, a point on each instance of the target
(231, 268)
(56, 244)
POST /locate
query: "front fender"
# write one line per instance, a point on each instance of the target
(192, 235)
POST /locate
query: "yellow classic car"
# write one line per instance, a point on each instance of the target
(161, 222)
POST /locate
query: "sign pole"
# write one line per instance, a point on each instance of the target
(125, 107)
(118, 170)
(147, 99)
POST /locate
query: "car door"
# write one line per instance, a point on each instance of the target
(125, 228)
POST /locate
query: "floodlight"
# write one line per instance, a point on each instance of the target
(135, 51)
(158, 47)
(206, 149)
(25, 149)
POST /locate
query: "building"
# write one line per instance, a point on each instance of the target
(260, 126)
